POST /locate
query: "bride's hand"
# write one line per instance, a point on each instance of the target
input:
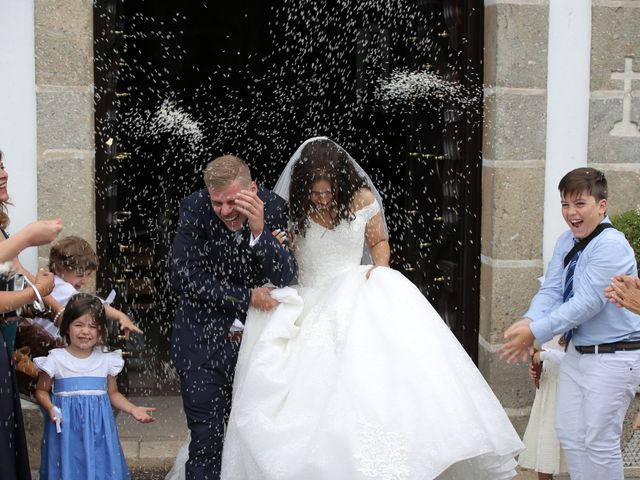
(368, 274)
(280, 235)
(262, 300)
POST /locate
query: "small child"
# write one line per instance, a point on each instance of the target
(73, 261)
(543, 453)
(81, 441)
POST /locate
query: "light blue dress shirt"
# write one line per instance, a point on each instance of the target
(593, 317)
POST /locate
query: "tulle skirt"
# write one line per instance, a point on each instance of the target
(88, 447)
(361, 379)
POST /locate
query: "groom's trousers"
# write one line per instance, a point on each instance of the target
(206, 395)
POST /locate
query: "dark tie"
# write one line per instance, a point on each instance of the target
(568, 293)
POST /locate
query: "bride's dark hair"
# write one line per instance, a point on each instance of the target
(322, 159)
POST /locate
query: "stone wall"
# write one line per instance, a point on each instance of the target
(514, 155)
(64, 89)
(65, 145)
(614, 137)
(513, 185)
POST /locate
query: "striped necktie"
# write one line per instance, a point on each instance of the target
(568, 292)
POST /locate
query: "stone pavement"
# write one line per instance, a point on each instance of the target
(153, 446)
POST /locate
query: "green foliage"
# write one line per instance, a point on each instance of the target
(629, 223)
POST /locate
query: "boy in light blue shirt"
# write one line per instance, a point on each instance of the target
(600, 372)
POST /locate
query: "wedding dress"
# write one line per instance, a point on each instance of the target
(354, 378)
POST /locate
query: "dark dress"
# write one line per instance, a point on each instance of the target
(14, 459)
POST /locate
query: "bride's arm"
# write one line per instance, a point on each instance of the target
(375, 234)
(377, 242)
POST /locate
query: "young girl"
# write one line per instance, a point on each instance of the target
(81, 441)
(543, 453)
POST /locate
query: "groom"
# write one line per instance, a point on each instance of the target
(223, 253)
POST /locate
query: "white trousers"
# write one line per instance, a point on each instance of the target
(594, 392)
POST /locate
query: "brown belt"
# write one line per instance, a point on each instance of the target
(235, 336)
(608, 347)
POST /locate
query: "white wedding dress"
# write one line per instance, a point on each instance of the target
(352, 378)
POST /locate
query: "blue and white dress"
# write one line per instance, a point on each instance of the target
(88, 447)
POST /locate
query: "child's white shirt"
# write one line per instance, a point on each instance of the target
(62, 291)
(61, 364)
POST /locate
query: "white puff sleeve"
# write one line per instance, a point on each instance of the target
(116, 363)
(47, 364)
(370, 210)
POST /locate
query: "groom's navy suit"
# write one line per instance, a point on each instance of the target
(214, 270)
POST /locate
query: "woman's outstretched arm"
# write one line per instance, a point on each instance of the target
(34, 234)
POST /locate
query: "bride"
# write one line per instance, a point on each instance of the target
(354, 375)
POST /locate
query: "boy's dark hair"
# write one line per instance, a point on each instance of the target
(72, 253)
(584, 180)
(80, 304)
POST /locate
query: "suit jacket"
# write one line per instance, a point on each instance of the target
(215, 269)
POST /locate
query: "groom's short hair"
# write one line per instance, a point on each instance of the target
(225, 170)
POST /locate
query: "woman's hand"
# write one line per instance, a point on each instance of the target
(280, 235)
(368, 274)
(142, 414)
(42, 232)
(624, 291)
(34, 234)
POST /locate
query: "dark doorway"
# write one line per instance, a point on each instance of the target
(179, 83)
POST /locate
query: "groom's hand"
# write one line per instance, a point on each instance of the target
(262, 300)
(249, 204)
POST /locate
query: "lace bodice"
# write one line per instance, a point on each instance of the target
(324, 253)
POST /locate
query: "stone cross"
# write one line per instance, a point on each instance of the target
(625, 127)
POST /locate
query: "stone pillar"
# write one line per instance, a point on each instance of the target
(614, 136)
(64, 85)
(513, 185)
(65, 122)
(567, 107)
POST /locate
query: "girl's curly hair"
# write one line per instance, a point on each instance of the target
(322, 159)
